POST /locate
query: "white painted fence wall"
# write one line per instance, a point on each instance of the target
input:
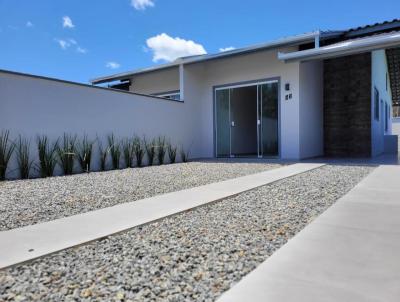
(33, 106)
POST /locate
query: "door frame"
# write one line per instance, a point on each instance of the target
(246, 84)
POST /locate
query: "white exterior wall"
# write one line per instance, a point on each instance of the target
(33, 106)
(51, 107)
(193, 83)
(311, 109)
(156, 82)
(250, 67)
(396, 126)
(379, 74)
(396, 129)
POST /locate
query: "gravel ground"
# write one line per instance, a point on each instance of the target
(192, 256)
(31, 201)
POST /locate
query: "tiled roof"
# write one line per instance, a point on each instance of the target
(374, 25)
(371, 29)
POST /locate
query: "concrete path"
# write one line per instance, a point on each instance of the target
(350, 253)
(23, 244)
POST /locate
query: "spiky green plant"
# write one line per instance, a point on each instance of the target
(84, 152)
(66, 152)
(128, 151)
(185, 155)
(6, 150)
(161, 149)
(150, 147)
(47, 156)
(115, 151)
(103, 152)
(23, 157)
(138, 150)
(172, 153)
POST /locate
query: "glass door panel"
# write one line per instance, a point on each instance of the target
(268, 108)
(223, 125)
(246, 120)
(243, 109)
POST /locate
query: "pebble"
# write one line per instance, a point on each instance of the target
(191, 256)
(26, 202)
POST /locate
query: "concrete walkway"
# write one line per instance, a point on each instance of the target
(23, 244)
(350, 253)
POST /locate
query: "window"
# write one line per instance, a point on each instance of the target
(173, 95)
(387, 113)
(376, 104)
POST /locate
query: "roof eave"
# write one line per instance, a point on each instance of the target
(124, 75)
(289, 41)
(343, 48)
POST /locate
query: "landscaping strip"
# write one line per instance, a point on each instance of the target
(37, 240)
(33, 201)
(192, 256)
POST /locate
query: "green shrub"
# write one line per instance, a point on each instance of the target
(23, 157)
(6, 150)
(66, 153)
(150, 150)
(115, 151)
(129, 152)
(138, 151)
(84, 152)
(47, 156)
(171, 153)
(103, 152)
(185, 155)
(161, 149)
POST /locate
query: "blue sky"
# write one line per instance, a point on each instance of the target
(79, 40)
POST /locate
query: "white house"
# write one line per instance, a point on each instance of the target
(324, 93)
(321, 93)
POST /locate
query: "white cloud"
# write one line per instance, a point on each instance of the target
(67, 22)
(142, 4)
(81, 50)
(226, 49)
(113, 65)
(67, 43)
(29, 24)
(63, 43)
(168, 49)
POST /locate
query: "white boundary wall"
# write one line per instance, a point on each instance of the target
(33, 106)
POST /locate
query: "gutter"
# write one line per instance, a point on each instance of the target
(343, 48)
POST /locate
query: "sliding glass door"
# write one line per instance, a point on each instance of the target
(223, 128)
(246, 120)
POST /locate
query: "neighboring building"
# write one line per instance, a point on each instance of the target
(322, 93)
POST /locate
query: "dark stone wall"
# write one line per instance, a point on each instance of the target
(347, 106)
